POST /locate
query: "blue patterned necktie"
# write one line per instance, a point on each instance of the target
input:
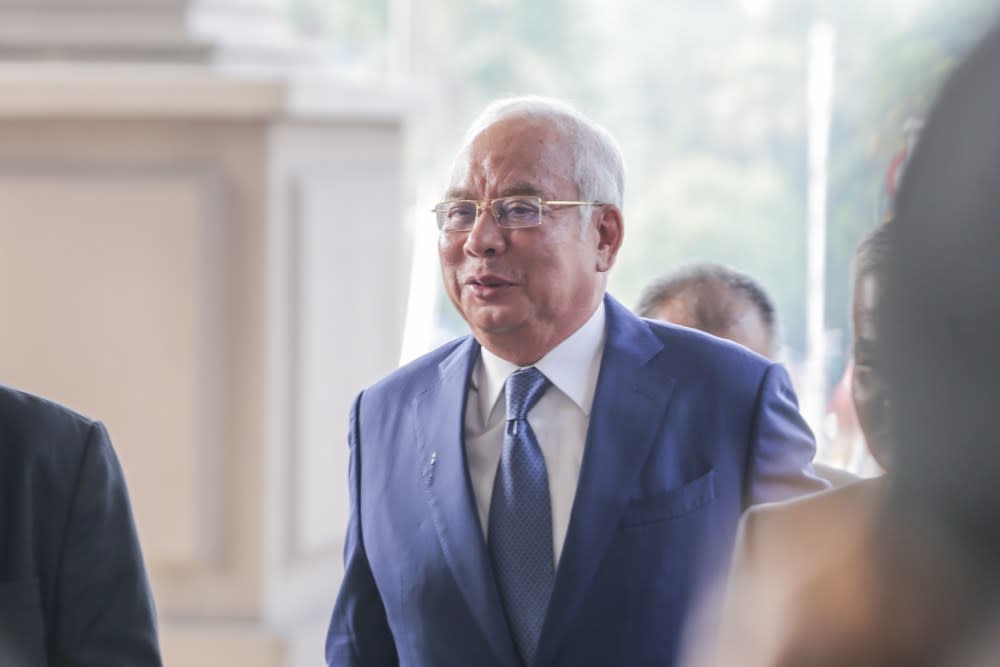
(520, 524)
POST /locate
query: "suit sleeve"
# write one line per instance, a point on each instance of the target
(104, 614)
(781, 446)
(359, 634)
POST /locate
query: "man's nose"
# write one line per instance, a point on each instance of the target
(486, 236)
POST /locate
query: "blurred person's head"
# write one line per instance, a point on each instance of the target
(869, 389)
(717, 299)
(942, 341)
(530, 225)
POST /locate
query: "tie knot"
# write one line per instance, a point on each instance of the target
(523, 389)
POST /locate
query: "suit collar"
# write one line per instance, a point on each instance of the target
(438, 420)
(571, 366)
(630, 402)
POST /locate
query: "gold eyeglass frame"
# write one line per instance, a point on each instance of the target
(488, 205)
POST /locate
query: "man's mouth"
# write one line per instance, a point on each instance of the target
(488, 284)
(489, 280)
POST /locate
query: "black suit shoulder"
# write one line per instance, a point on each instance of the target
(73, 587)
(36, 430)
(43, 446)
(31, 416)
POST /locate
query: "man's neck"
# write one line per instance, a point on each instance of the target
(516, 349)
(525, 348)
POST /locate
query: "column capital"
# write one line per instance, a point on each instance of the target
(200, 31)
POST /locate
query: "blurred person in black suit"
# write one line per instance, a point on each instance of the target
(73, 587)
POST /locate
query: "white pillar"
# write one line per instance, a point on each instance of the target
(242, 31)
(820, 106)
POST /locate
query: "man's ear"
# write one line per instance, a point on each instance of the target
(610, 233)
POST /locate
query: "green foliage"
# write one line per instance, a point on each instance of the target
(709, 106)
(709, 208)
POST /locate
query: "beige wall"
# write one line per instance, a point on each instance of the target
(215, 288)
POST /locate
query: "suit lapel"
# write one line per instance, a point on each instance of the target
(629, 405)
(439, 414)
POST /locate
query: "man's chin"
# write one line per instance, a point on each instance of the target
(494, 320)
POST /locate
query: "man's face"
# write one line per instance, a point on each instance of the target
(868, 387)
(524, 290)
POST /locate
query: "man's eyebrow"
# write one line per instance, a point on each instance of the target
(522, 188)
(512, 190)
(456, 193)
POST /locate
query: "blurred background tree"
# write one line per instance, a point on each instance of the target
(707, 98)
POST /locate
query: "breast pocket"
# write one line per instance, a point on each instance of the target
(671, 504)
(22, 630)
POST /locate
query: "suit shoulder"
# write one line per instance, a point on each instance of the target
(34, 430)
(21, 412)
(413, 376)
(705, 351)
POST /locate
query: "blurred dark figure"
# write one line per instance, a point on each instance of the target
(729, 304)
(943, 333)
(944, 315)
(717, 299)
(73, 588)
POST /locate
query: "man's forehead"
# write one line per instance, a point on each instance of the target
(522, 188)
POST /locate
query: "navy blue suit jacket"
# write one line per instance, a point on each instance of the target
(73, 589)
(686, 431)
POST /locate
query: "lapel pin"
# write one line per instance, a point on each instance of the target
(430, 467)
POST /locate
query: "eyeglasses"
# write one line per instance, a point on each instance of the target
(459, 215)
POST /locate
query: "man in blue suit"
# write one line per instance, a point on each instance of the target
(556, 488)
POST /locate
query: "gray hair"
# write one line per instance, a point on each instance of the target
(599, 168)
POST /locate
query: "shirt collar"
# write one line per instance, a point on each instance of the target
(572, 366)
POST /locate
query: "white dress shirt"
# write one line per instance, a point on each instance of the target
(559, 419)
